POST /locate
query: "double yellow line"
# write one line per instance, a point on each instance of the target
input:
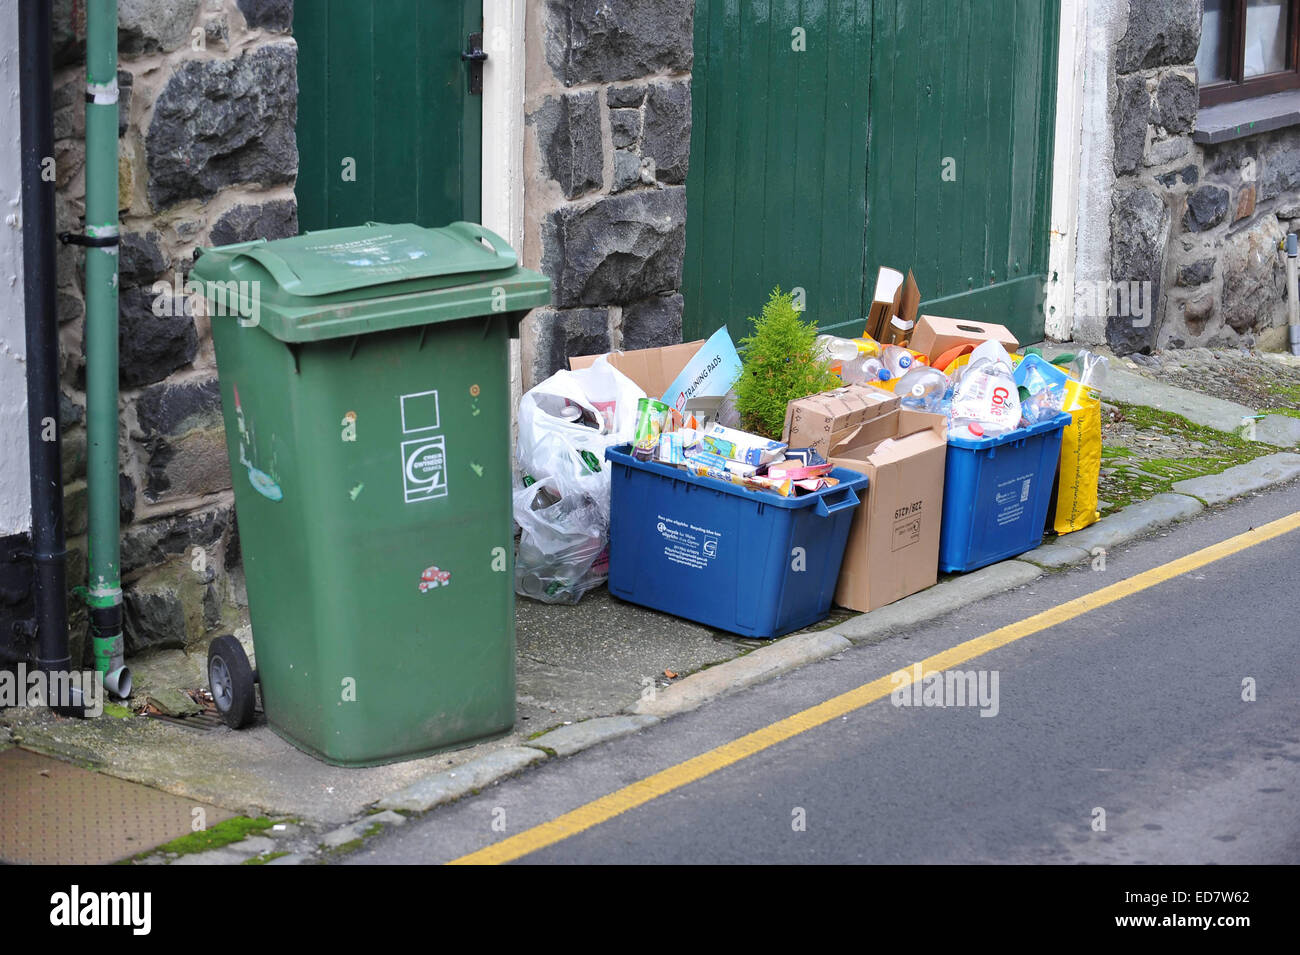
(674, 777)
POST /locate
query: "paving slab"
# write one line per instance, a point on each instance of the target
(1131, 388)
(943, 598)
(1243, 479)
(1278, 429)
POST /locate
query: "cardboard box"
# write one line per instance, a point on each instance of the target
(812, 422)
(934, 335)
(894, 295)
(653, 369)
(893, 548)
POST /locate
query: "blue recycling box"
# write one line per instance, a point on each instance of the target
(996, 494)
(748, 562)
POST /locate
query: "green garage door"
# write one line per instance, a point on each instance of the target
(832, 137)
(387, 130)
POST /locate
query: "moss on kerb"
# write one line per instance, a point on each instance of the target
(1127, 477)
(264, 858)
(222, 834)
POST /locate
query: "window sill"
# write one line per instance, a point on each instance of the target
(1248, 117)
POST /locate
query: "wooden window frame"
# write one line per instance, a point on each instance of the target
(1237, 86)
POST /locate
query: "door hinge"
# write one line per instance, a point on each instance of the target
(474, 55)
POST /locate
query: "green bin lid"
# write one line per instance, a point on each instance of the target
(366, 279)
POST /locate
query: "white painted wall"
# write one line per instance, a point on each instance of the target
(503, 139)
(1065, 171)
(1104, 24)
(15, 490)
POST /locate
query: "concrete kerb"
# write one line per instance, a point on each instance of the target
(761, 665)
(448, 786)
(567, 740)
(1243, 479)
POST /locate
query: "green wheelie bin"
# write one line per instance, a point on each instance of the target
(366, 392)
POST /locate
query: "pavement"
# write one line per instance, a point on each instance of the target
(587, 675)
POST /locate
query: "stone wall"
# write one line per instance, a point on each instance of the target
(207, 155)
(608, 104)
(1198, 226)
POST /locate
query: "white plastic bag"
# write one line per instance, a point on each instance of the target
(565, 424)
(567, 421)
(563, 545)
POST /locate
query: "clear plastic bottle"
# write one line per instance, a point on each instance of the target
(987, 396)
(897, 359)
(872, 369)
(922, 389)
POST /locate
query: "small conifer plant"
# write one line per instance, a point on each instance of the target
(779, 364)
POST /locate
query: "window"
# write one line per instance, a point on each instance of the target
(1248, 48)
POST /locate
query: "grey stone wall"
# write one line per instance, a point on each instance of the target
(1200, 224)
(207, 156)
(608, 104)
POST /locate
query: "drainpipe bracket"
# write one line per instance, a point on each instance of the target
(90, 241)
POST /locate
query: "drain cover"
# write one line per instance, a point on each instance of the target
(55, 813)
(204, 722)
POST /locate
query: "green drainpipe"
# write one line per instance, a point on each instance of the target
(105, 584)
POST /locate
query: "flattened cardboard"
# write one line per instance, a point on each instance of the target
(934, 335)
(813, 421)
(893, 548)
(906, 302)
(653, 369)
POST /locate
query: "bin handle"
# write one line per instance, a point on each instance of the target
(474, 232)
(850, 499)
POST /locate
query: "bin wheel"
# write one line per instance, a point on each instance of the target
(230, 679)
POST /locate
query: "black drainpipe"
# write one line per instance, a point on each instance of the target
(49, 550)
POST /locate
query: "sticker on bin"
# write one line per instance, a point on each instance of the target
(433, 577)
(687, 544)
(424, 469)
(1011, 497)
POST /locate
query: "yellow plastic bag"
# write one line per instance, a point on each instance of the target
(1080, 469)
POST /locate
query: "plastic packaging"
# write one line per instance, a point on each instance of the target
(1090, 369)
(563, 551)
(922, 389)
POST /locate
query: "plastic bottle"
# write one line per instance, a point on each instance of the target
(922, 389)
(987, 396)
(1090, 369)
(846, 354)
(897, 359)
(873, 369)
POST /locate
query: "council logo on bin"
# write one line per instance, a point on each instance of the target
(424, 469)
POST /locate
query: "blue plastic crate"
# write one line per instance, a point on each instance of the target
(996, 492)
(749, 562)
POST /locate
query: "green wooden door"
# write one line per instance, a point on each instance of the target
(387, 130)
(908, 133)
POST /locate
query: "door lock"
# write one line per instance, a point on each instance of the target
(474, 55)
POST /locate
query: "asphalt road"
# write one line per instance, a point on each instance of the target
(1131, 714)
